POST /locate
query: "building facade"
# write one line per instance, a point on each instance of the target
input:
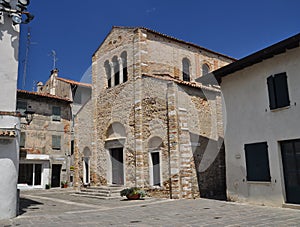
(45, 144)
(153, 125)
(261, 96)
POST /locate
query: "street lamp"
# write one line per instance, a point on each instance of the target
(15, 10)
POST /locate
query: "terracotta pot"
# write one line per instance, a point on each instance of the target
(135, 196)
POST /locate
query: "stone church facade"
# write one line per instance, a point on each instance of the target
(153, 125)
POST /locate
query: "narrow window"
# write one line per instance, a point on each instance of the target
(108, 73)
(205, 69)
(56, 142)
(22, 139)
(116, 70)
(278, 91)
(186, 69)
(56, 113)
(257, 162)
(155, 168)
(124, 61)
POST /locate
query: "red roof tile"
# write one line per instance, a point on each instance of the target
(167, 77)
(46, 95)
(73, 82)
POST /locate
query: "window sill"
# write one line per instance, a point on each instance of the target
(259, 182)
(281, 108)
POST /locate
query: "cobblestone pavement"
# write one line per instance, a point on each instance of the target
(63, 208)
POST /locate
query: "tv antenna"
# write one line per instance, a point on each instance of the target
(55, 59)
(26, 57)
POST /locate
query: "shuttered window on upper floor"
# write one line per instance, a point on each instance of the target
(56, 111)
(278, 91)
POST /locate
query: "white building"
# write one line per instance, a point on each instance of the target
(9, 121)
(262, 136)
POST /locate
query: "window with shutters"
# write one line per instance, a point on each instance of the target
(257, 162)
(56, 113)
(56, 142)
(278, 91)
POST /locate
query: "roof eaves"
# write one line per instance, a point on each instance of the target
(259, 56)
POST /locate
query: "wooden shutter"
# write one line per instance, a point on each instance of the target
(56, 142)
(271, 90)
(281, 88)
(257, 162)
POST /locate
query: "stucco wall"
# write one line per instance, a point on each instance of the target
(249, 120)
(9, 155)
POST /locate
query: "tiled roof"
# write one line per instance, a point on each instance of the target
(73, 82)
(167, 77)
(8, 133)
(177, 40)
(45, 95)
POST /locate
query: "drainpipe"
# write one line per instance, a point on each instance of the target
(168, 136)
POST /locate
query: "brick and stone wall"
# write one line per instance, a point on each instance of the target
(185, 117)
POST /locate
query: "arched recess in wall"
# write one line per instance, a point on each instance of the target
(108, 72)
(186, 64)
(86, 165)
(155, 155)
(116, 68)
(116, 130)
(205, 69)
(124, 63)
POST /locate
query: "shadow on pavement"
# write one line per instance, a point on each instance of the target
(26, 204)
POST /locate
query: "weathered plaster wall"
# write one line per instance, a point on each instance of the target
(249, 120)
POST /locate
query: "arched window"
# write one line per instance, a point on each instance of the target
(124, 62)
(186, 69)
(205, 69)
(108, 72)
(116, 70)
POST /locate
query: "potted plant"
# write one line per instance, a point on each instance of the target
(47, 186)
(64, 184)
(133, 193)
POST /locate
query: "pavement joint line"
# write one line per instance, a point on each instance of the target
(119, 207)
(64, 201)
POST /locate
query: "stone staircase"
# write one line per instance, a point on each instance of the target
(100, 192)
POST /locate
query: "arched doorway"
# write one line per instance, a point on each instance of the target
(86, 165)
(116, 136)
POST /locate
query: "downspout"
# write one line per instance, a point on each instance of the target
(169, 149)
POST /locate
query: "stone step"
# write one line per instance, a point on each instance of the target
(100, 192)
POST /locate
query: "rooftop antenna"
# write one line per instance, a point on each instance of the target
(28, 43)
(55, 59)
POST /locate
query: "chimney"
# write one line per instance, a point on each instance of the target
(40, 87)
(54, 72)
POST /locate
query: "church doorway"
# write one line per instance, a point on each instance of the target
(117, 165)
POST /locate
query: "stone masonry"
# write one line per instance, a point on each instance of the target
(164, 130)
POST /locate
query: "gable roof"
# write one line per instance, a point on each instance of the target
(33, 94)
(168, 37)
(73, 82)
(268, 52)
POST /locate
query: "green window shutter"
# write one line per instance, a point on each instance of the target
(257, 162)
(272, 94)
(281, 88)
(56, 142)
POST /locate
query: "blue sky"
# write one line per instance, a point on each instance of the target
(74, 29)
